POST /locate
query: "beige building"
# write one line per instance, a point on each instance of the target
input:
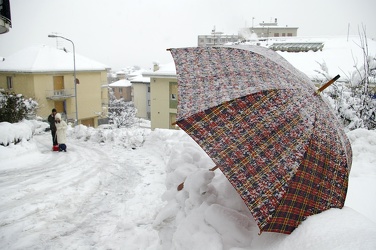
(103, 115)
(46, 74)
(122, 89)
(163, 96)
(141, 96)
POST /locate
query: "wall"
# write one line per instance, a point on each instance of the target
(140, 99)
(160, 102)
(123, 92)
(37, 87)
(89, 91)
(31, 86)
(43, 84)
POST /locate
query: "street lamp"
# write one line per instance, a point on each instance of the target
(74, 71)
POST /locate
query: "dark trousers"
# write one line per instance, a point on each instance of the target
(54, 139)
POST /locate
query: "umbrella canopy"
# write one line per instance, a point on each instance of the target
(261, 121)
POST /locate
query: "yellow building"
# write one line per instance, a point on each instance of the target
(46, 74)
(163, 96)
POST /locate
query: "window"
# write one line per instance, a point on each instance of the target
(120, 90)
(173, 95)
(289, 34)
(283, 34)
(148, 89)
(9, 82)
(276, 34)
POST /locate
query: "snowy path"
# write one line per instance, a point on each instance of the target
(93, 196)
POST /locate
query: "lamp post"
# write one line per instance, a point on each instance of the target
(74, 71)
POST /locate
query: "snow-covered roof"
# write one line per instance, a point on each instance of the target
(165, 70)
(136, 73)
(297, 47)
(140, 79)
(121, 83)
(43, 58)
(137, 77)
(341, 55)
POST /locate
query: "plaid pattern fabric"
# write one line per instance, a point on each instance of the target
(321, 181)
(281, 148)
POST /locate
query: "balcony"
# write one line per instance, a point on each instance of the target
(59, 94)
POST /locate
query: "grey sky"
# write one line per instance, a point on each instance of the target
(121, 33)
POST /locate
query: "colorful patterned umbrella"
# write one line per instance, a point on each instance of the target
(264, 125)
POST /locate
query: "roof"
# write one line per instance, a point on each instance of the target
(121, 83)
(165, 71)
(297, 47)
(43, 58)
(340, 55)
(140, 79)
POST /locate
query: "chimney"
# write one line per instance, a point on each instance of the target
(275, 20)
(155, 66)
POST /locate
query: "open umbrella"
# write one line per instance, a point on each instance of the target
(267, 129)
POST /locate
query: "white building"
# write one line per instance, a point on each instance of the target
(141, 96)
(265, 31)
(216, 38)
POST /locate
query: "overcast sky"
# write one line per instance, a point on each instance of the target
(122, 33)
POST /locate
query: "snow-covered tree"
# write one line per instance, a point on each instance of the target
(355, 102)
(362, 82)
(14, 107)
(120, 112)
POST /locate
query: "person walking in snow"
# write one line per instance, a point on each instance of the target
(51, 121)
(61, 130)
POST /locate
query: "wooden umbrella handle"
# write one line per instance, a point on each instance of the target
(327, 84)
(181, 185)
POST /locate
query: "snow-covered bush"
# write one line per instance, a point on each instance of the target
(14, 107)
(354, 99)
(13, 133)
(127, 137)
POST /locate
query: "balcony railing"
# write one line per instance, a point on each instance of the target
(59, 94)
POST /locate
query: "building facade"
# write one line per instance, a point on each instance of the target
(122, 89)
(141, 96)
(267, 30)
(216, 38)
(46, 75)
(163, 96)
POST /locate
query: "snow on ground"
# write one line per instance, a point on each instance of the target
(97, 195)
(116, 189)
